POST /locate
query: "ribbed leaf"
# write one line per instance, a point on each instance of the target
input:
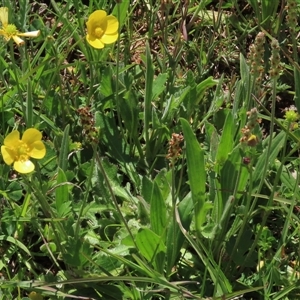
(196, 173)
(152, 248)
(64, 150)
(226, 141)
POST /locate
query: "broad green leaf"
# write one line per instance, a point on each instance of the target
(130, 113)
(151, 246)
(226, 141)
(163, 180)
(158, 211)
(239, 254)
(159, 85)
(196, 173)
(277, 144)
(121, 11)
(175, 238)
(14, 191)
(106, 81)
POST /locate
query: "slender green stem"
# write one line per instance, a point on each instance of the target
(14, 64)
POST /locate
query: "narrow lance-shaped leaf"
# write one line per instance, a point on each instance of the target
(64, 149)
(196, 173)
(148, 96)
(226, 141)
(61, 191)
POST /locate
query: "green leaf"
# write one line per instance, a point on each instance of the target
(196, 173)
(288, 181)
(159, 85)
(50, 245)
(240, 252)
(297, 88)
(204, 85)
(196, 92)
(226, 141)
(111, 172)
(217, 275)
(61, 191)
(130, 112)
(121, 11)
(277, 144)
(106, 81)
(151, 247)
(112, 139)
(232, 175)
(163, 180)
(15, 242)
(158, 211)
(77, 252)
(176, 238)
(148, 98)
(15, 191)
(64, 150)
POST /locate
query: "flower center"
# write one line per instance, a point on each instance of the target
(22, 152)
(11, 30)
(99, 32)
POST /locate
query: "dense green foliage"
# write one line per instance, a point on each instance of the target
(171, 167)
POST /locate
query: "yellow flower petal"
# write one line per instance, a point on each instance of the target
(4, 34)
(24, 167)
(9, 31)
(8, 155)
(31, 135)
(4, 16)
(30, 33)
(96, 19)
(12, 140)
(109, 38)
(35, 296)
(101, 29)
(112, 25)
(18, 40)
(38, 150)
(18, 151)
(96, 43)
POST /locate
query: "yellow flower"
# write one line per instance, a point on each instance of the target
(252, 140)
(18, 151)
(35, 296)
(101, 29)
(9, 31)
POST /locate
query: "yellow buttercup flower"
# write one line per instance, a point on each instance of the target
(10, 31)
(101, 29)
(35, 296)
(18, 151)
